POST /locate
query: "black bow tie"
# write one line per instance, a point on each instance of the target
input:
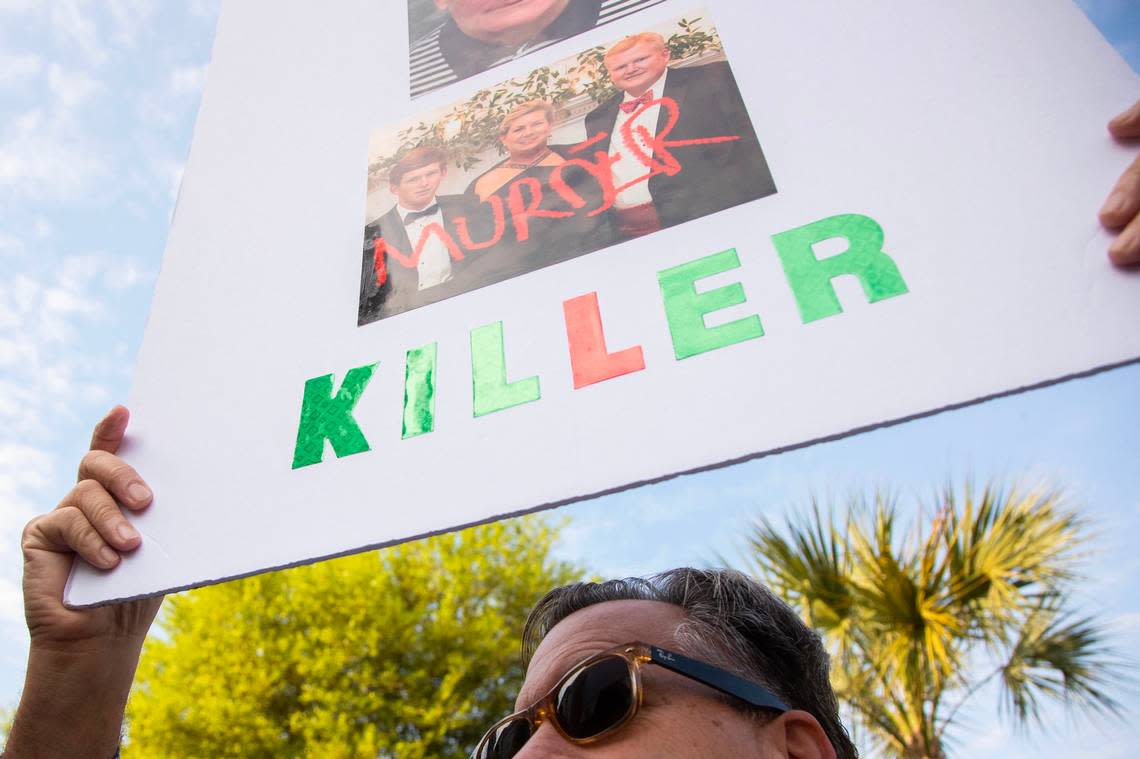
(431, 210)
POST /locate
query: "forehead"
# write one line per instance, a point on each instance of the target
(639, 50)
(595, 629)
(528, 118)
(421, 171)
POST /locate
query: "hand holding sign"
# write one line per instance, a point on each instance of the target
(82, 660)
(1122, 209)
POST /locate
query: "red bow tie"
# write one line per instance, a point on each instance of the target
(629, 106)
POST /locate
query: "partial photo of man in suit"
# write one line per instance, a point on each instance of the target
(387, 285)
(714, 175)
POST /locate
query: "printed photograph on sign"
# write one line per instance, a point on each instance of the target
(620, 141)
(450, 40)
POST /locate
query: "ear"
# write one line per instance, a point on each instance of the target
(802, 736)
(441, 4)
(394, 189)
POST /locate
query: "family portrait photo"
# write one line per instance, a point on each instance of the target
(620, 141)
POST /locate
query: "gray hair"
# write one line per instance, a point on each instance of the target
(732, 622)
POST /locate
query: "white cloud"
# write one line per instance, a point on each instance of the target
(73, 25)
(43, 157)
(11, 245)
(46, 150)
(167, 106)
(41, 322)
(129, 19)
(70, 88)
(169, 174)
(16, 70)
(24, 471)
(25, 467)
(206, 10)
(187, 80)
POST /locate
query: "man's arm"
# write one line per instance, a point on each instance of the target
(81, 661)
(1121, 211)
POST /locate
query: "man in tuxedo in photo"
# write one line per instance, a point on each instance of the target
(388, 286)
(714, 175)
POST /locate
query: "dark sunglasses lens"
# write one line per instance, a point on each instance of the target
(595, 698)
(506, 741)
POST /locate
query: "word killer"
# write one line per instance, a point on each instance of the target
(327, 413)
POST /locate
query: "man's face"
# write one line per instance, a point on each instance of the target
(418, 186)
(679, 718)
(490, 19)
(527, 134)
(637, 68)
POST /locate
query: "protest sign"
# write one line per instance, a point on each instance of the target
(660, 241)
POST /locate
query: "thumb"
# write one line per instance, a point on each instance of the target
(108, 434)
(1126, 124)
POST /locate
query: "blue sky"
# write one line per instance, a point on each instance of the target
(97, 102)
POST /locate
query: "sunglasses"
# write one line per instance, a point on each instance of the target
(599, 695)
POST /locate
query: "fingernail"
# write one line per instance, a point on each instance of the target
(138, 492)
(1122, 250)
(1122, 257)
(108, 556)
(1115, 204)
(126, 532)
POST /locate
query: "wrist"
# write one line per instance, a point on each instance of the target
(73, 700)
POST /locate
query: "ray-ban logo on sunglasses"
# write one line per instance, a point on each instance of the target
(665, 655)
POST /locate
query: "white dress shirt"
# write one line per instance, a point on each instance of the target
(629, 167)
(434, 267)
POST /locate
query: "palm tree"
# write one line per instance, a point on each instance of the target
(918, 618)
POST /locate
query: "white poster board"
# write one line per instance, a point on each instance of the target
(970, 134)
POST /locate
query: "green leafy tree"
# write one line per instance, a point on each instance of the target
(919, 617)
(408, 652)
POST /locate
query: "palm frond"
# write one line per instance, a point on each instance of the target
(1007, 548)
(1061, 657)
(810, 568)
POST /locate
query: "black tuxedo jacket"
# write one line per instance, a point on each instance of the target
(713, 177)
(400, 290)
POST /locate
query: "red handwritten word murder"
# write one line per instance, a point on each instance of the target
(525, 195)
